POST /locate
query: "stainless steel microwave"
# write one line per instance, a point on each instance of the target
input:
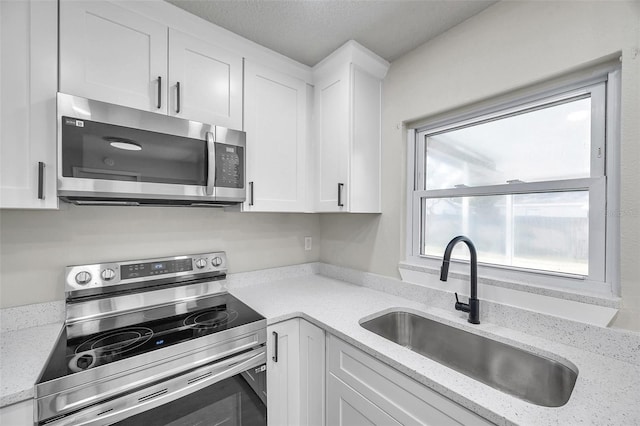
(109, 154)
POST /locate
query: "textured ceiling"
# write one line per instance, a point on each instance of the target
(308, 30)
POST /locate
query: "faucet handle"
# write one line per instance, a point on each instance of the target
(464, 307)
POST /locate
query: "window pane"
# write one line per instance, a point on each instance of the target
(547, 232)
(551, 143)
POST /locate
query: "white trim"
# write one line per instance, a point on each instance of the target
(604, 90)
(598, 125)
(612, 148)
(411, 182)
(512, 188)
(500, 108)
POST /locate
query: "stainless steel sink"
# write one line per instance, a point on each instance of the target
(518, 372)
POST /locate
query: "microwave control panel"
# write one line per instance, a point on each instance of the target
(229, 166)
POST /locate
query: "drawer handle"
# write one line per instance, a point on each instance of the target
(250, 193)
(275, 347)
(159, 92)
(40, 180)
(340, 186)
(178, 98)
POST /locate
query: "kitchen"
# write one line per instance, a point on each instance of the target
(515, 45)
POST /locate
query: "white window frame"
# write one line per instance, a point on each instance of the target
(603, 184)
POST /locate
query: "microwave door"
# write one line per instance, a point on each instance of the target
(131, 162)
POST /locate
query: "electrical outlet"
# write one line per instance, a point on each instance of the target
(307, 243)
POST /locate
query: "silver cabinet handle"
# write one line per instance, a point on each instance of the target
(275, 347)
(178, 98)
(211, 158)
(250, 193)
(41, 180)
(340, 186)
(159, 92)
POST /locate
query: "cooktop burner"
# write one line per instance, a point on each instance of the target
(213, 318)
(146, 331)
(116, 342)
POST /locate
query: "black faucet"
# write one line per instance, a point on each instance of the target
(473, 307)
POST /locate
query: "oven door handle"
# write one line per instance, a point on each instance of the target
(211, 153)
(164, 392)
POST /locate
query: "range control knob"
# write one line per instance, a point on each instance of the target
(201, 263)
(85, 361)
(108, 274)
(216, 261)
(83, 278)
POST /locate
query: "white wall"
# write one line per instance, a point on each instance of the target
(35, 246)
(506, 47)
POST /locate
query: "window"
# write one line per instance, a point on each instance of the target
(526, 181)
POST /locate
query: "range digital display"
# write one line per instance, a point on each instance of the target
(139, 270)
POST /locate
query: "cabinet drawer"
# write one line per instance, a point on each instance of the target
(351, 408)
(404, 399)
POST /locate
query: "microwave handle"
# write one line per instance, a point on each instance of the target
(211, 152)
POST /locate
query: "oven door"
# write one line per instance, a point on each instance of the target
(231, 402)
(213, 394)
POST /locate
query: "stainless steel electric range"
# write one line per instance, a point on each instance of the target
(155, 342)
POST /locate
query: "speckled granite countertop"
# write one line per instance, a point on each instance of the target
(606, 391)
(23, 353)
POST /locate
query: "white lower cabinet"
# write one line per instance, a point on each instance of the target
(19, 414)
(295, 374)
(346, 407)
(364, 391)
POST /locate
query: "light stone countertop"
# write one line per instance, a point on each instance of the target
(606, 391)
(23, 353)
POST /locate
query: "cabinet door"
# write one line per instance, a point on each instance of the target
(402, 398)
(365, 145)
(283, 373)
(111, 54)
(275, 122)
(295, 374)
(28, 75)
(205, 82)
(333, 132)
(312, 369)
(346, 407)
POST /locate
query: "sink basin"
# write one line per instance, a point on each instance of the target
(518, 372)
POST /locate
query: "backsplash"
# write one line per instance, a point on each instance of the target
(615, 343)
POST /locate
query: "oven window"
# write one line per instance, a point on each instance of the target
(96, 150)
(231, 402)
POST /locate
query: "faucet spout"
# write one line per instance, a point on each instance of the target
(473, 307)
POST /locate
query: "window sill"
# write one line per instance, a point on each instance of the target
(588, 307)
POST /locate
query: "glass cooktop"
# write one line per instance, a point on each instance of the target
(131, 334)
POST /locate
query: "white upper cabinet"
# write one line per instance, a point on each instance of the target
(348, 95)
(111, 54)
(276, 125)
(28, 76)
(205, 81)
(332, 115)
